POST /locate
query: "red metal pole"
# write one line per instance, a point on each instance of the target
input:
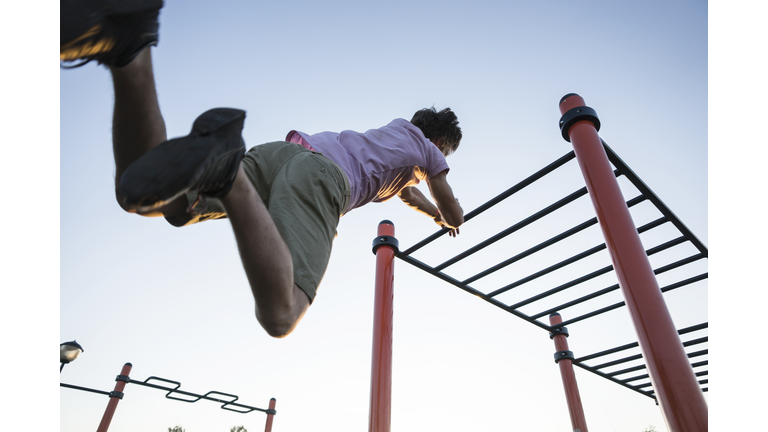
(677, 390)
(381, 363)
(270, 415)
(115, 397)
(563, 358)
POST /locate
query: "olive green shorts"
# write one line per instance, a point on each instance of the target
(305, 193)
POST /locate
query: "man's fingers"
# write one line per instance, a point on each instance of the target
(453, 231)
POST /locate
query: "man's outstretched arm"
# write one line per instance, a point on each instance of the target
(447, 203)
(450, 211)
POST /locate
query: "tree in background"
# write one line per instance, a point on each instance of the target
(651, 428)
(178, 428)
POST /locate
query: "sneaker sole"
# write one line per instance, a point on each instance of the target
(78, 17)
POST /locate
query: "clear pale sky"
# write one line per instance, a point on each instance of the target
(175, 302)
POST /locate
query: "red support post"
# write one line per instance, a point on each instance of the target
(270, 415)
(115, 397)
(564, 359)
(385, 247)
(677, 390)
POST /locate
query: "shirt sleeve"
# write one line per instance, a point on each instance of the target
(436, 162)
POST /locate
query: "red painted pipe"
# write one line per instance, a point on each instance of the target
(677, 390)
(113, 400)
(578, 421)
(381, 362)
(270, 416)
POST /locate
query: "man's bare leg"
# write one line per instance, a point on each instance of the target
(138, 126)
(137, 123)
(280, 303)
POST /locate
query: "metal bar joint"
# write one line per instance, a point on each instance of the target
(577, 114)
(385, 241)
(558, 331)
(563, 355)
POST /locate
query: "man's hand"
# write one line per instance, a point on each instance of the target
(439, 220)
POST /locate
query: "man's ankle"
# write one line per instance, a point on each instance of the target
(142, 61)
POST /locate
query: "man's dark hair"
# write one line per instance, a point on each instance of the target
(439, 125)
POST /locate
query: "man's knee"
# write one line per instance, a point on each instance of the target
(279, 320)
(277, 327)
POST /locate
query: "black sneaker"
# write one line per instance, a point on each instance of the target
(111, 32)
(205, 161)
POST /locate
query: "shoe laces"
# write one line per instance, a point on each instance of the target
(199, 206)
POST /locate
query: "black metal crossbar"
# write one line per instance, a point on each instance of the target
(624, 169)
(227, 404)
(672, 260)
(499, 198)
(72, 386)
(612, 375)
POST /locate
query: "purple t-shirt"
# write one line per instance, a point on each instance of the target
(380, 162)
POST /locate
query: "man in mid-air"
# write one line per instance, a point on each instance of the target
(284, 198)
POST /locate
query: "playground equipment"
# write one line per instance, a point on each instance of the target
(672, 368)
(123, 379)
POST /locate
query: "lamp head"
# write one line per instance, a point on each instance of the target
(68, 351)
